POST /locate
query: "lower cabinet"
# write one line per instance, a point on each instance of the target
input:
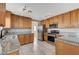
(45, 37)
(66, 49)
(27, 38)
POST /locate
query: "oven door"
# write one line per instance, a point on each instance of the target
(51, 38)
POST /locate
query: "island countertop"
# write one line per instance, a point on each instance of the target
(69, 40)
(10, 44)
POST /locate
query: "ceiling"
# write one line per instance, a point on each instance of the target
(41, 11)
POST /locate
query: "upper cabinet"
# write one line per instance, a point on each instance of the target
(47, 23)
(51, 20)
(2, 13)
(16, 21)
(74, 19)
(55, 20)
(60, 21)
(78, 18)
(21, 22)
(66, 20)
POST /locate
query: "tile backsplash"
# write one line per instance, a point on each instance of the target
(19, 30)
(68, 32)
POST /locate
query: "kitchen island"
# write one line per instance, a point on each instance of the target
(10, 43)
(67, 46)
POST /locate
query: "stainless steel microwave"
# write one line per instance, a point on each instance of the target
(53, 26)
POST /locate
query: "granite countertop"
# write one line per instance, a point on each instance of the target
(0, 47)
(10, 43)
(17, 33)
(69, 40)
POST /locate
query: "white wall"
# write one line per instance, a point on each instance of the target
(35, 31)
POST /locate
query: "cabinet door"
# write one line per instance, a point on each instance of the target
(29, 23)
(14, 21)
(45, 37)
(59, 48)
(47, 23)
(51, 20)
(26, 38)
(60, 23)
(43, 22)
(55, 21)
(74, 18)
(66, 20)
(70, 49)
(25, 21)
(20, 25)
(78, 19)
(2, 14)
(21, 39)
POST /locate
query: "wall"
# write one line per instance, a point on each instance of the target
(35, 31)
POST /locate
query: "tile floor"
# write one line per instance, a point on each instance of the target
(42, 48)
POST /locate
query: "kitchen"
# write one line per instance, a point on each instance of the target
(25, 30)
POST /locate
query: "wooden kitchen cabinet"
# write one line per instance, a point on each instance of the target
(43, 22)
(51, 20)
(74, 19)
(45, 37)
(24, 39)
(47, 23)
(55, 20)
(63, 48)
(27, 23)
(59, 48)
(60, 22)
(16, 21)
(21, 39)
(78, 18)
(66, 20)
(2, 13)
(27, 38)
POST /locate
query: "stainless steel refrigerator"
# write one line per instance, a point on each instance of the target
(41, 31)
